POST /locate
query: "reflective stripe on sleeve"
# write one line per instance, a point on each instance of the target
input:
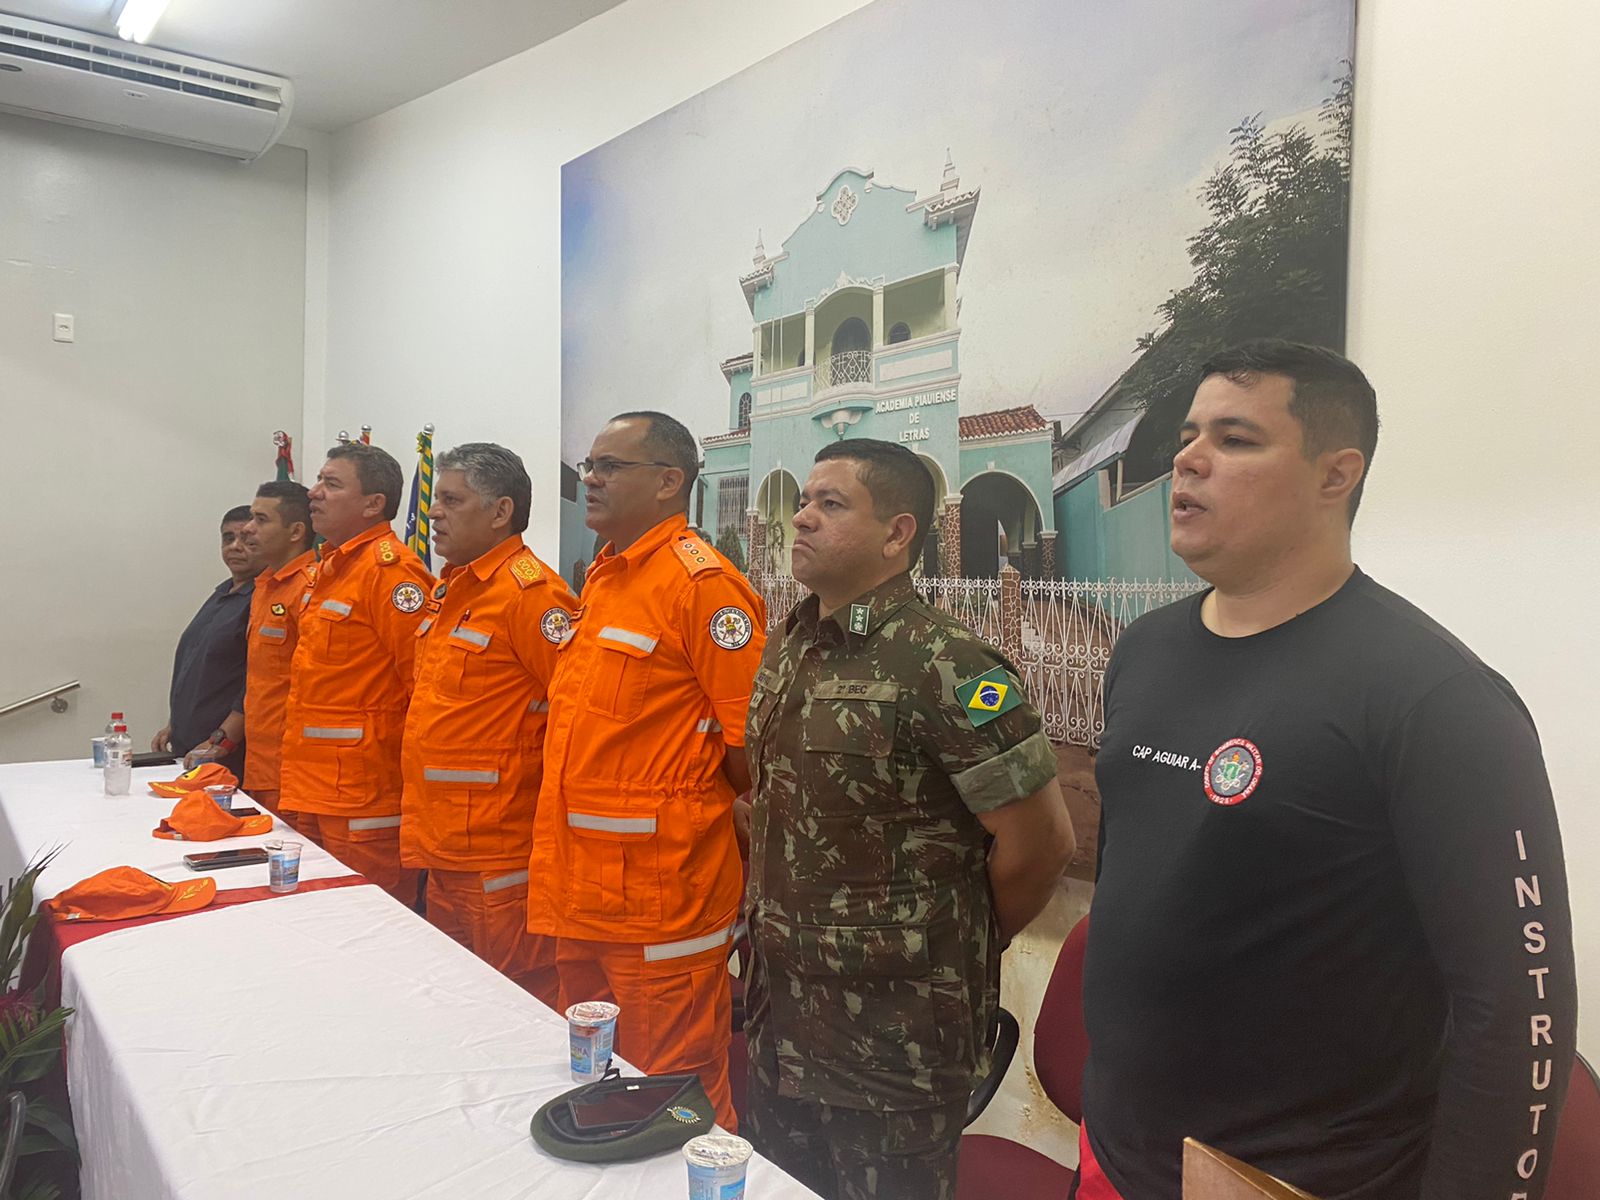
(708, 725)
(338, 606)
(611, 824)
(462, 633)
(360, 823)
(427, 624)
(683, 949)
(538, 706)
(273, 631)
(333, 731)
(443, 775)
(500, 882)
(629, 638)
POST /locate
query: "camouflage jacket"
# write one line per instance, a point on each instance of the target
(872, 745)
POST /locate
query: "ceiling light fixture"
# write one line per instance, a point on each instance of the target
(137, 18)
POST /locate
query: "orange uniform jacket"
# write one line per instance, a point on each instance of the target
(475, 728)
(273, 631)
(351, 678)
(633, 839)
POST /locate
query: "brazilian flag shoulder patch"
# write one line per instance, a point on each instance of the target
(988, 696)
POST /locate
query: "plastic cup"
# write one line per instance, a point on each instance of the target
(222, 795)
(283, 866)
(591, 1032)
(97, 752)
(717, 1165)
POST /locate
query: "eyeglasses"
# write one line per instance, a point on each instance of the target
(605, 468)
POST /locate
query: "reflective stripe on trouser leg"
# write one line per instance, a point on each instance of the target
(666, 950)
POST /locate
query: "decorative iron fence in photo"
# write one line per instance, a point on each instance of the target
(1057, 632)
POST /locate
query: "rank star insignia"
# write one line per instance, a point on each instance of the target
(386, 551)
(732, 628)
(527, 570)
(987, 696)
(1232, 772)
(555, 625)
(860, 617)
(278, 610)
(407, 597)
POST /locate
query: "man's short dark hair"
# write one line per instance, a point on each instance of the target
(236, 515)
(377, 471)
(1336, 407)
(492, 471)
(896, 479)
(671, 442)
(294, 503)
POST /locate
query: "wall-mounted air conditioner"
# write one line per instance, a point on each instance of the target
(101, 83)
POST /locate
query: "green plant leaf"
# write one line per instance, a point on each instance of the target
(42, 1116)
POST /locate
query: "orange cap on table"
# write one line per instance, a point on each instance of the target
(196, 818)
(205, 775)
(120, 892)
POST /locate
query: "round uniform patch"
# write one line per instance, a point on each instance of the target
(1233, 771)
(555, 625)
(686, 1116)
(278, 610)
(732, 628)
(407, 597)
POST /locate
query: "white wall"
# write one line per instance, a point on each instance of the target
(1476, 271)
(1474, 274)
(120, 452)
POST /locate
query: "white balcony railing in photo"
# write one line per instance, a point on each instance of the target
(1057, 632)
(848, 366)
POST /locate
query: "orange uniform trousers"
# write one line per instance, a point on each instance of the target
(677, 1013)
(487, 912)
(374, 853)
(268, 799)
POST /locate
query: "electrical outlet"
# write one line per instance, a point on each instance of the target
(65, 328)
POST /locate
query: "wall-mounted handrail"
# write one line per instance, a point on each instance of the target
(54, 694)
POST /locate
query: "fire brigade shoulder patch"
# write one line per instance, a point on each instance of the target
(525, 570)
(1233, 772)
(732, 628)
(407, 597)
(556, 625)
(278, 610)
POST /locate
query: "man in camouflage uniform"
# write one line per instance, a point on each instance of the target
(906, 821)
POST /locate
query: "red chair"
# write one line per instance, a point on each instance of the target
(996, 1168)
(1575, 1161)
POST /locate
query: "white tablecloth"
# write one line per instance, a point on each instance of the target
(329, 1044)
(49, 804)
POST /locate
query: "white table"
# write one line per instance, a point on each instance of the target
(327, 1044)
(49, 804)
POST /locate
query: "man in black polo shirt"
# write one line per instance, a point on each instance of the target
(207, 695)
(1330, 934)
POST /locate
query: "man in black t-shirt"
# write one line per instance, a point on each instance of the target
(1330, 934)
(206, 699)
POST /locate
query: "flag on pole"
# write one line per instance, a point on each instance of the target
(366, 435)
(285, 462)
(344, 437)
(421, 498)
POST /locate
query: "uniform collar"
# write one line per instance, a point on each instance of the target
(289, 569)
(882, 602)
(657, 536)
(487, 563)
(370, 534)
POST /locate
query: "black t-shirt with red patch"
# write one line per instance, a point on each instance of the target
(1330, 933)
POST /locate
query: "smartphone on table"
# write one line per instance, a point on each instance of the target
(219, 860)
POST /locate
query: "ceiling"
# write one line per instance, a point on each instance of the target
(348, 59)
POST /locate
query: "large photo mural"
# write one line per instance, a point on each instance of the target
(1002, 235)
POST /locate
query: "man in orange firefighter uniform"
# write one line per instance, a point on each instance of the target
(351, 675)
(474, 738)
(280, 529)
(635, 865)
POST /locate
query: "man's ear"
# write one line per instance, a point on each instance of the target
(1341, 472)
(898, 541)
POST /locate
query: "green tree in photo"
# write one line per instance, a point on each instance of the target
(1271, 262)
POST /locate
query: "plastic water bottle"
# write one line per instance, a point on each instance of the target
(119, 760)
(98, 745)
